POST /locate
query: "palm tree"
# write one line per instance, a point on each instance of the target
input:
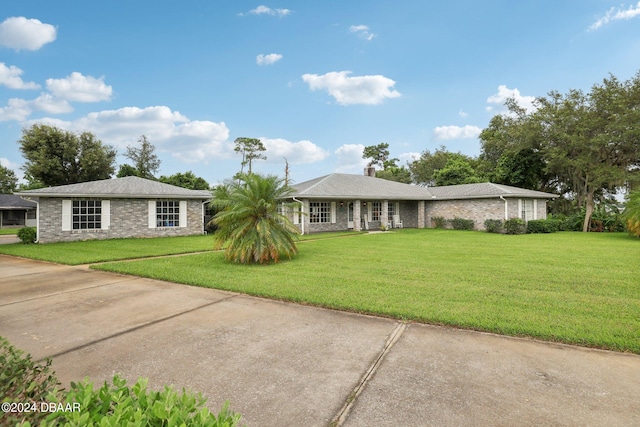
(249, 220)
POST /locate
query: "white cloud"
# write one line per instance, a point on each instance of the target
(265, 10)
(22, 33)
(463, 114)
(15, 167)
(79, 88)
(362, 31)
(301, 152)
(350, 158)
(16, 109)
(504, 93)
(445, 133)
(269, 59)
(614, 14)
(407, 158)
(369, 90)
(48, 103)
(10, 77)
(189, 141)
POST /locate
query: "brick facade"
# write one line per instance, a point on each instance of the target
(128, 218)
(479, 210)
(418, 214)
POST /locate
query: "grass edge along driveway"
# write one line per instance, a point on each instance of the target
(576, 288)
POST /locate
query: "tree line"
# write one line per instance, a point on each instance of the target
(583, 146)
(59, 157)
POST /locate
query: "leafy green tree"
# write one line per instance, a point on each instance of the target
(250, 221)
(423, 170)
(58, 157)
(186, 180)
(592, 141)
(378, 155)
(251, 149)
(456, 171)
(145, 162)
(8, 180)
(395, 173)
(126, 170)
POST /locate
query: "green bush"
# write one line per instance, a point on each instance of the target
(462, 224)
(543, 226)
(22, 380)
(631, 215)
(438, 222)
(515, 226)
(494, 225)
(117, 404)
(27, 235)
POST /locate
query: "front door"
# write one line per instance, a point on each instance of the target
(350, 215)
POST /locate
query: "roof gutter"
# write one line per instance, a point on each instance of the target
(301, 210)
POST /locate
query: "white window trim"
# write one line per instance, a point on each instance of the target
(66, 215)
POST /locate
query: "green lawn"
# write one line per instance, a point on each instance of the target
(8, 231)
(570, 287)
(92, 251)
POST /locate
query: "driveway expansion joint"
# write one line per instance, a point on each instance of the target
(343, 414)
(133, 329)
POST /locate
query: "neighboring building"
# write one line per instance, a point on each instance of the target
(16, 212)
(344, 201)
(117, 208)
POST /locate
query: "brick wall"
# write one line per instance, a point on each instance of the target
(129, 218)
(478, 210)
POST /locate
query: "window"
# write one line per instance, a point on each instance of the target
(391, 211)
(319, 212)
(86, 214)
(167, 213)
(526, 212)
(376, 211)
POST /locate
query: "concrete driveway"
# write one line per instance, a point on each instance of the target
(282, 364)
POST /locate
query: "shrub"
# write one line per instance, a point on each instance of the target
(543, 226)
(118, 404)
(462, 224)
(27, 235)
(438, 222)
(494, 225)
(631, 215)
(22, 380)
(515, 226)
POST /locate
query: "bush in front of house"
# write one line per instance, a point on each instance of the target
(119, 404)
(438, 222)
(27, 235)
(493, 225)
(543, 226)
(462, 224)
(25, 382)
(515, 226)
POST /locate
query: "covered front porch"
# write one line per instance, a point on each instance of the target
(314, 215)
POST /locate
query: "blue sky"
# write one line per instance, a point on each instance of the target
(315, 80)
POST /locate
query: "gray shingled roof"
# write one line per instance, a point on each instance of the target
(10, 202)
(352, 187)
(130, 187)
(347, 186)
(484, 190)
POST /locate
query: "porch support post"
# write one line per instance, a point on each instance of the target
(421, 214)
(384, 215)
(305, 215)
(356, 215)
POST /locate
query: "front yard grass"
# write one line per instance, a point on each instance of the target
(577, 288)
(93, 251)
(8, 231)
